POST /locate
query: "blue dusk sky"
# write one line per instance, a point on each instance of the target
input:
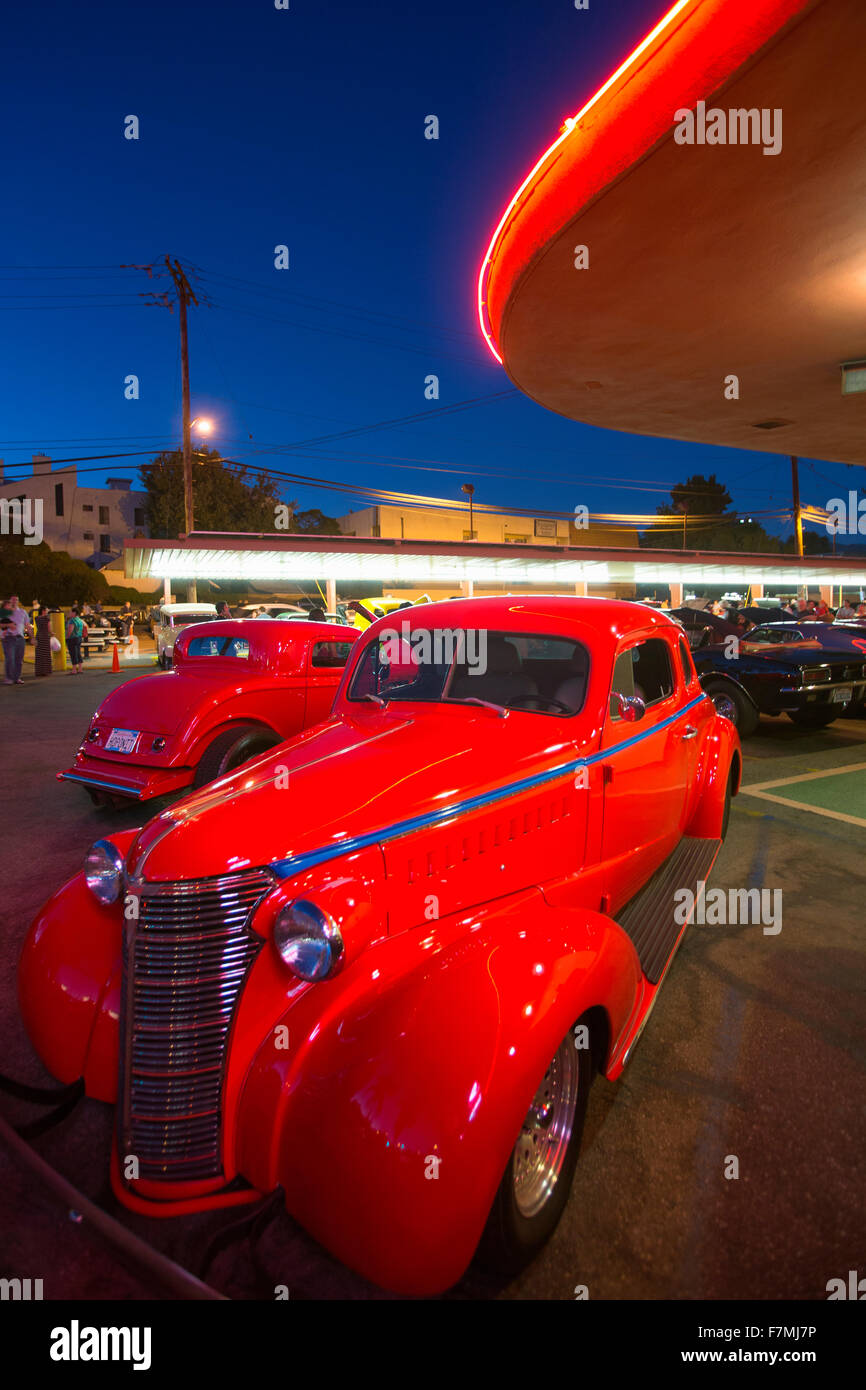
(304, 127)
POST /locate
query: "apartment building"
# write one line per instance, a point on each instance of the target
(91, 523)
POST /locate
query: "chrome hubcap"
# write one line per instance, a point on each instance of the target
(540, 1151)
(726, 707)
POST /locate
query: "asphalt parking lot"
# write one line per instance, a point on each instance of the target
(755, 1051)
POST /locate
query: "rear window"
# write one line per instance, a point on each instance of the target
(218, 646)
(331, 653)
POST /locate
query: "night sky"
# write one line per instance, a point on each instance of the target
(306, 127)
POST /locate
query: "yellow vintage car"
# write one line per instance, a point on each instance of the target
(379, 607)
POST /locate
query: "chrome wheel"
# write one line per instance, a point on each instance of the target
(540, 1151)
(725, 706)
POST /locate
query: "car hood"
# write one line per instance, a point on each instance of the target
(158, 704)
(349, 778)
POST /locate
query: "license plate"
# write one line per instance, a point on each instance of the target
(842, 695)
(121, 740)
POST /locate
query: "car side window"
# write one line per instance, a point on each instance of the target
(644, 671)
(331, 653)
(686, 661)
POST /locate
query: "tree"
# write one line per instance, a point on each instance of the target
(224, 499)
(315, 523)
(53, 577)
(697, 496)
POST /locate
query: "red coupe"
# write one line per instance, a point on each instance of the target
(379, 969)
(237, 689)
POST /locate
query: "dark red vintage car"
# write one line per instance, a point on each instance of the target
(379, 967)
(237, 689)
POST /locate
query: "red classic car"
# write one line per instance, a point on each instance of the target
(379, 968)
(237, 689)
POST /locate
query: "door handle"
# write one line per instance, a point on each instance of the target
(689, 732)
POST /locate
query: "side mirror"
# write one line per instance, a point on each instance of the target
(630, 708)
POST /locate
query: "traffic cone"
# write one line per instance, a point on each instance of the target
(115, 660)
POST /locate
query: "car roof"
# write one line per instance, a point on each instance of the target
(273, 632)
(604, 618)
(187, 607)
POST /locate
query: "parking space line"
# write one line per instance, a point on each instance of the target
(763, 791)
(804, 777)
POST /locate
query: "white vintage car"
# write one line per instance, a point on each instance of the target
(172, 619)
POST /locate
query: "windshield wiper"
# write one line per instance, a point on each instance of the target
(377, 699)
(485, 704)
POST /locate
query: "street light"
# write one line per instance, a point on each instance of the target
(469, 489)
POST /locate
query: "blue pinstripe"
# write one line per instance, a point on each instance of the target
(297, 863)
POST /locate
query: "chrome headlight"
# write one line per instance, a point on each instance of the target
(103, 871)
(308, 940)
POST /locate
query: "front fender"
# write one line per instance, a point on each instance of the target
(714, 675)
(390, 1117)
(69, 984)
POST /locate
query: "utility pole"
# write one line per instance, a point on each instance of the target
(798, 521)
(185, 293)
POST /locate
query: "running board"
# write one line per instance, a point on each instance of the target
(649, 917)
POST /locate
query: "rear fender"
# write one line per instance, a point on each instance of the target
(389, 1118)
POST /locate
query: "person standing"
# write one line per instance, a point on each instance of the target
(43, 642)
(74, 638)
(14, 627)
(223, 610)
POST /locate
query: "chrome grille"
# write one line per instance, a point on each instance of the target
(184, 964)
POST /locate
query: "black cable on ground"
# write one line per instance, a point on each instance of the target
(54, 1117)
(252, 1225)
(40, 1095)
(176, 1280)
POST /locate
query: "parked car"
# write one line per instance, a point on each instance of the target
(235, 691)
(397, 948)
(330, 617)
(807, 636)
(765, 613)
(381, 607)
(173, 618)
(703, 627)
(813, 686)
(270, 610)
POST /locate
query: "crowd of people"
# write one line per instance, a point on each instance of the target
(17, 626)
(803, 609)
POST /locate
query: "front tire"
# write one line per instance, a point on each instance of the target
(537, 1180)
(230, 750)
(733, 704)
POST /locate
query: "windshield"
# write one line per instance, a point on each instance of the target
(512, 670)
